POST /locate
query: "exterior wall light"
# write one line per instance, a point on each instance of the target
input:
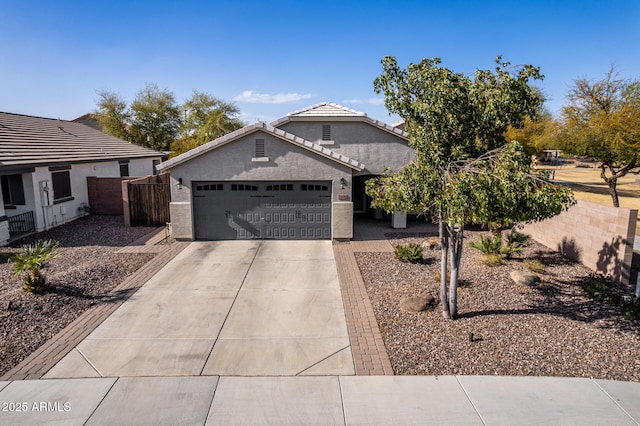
(179, 183)
(343, 183)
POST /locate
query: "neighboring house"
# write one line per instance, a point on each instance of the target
(44, 165)
(88, 120)
(300, 177)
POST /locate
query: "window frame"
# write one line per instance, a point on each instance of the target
(12, 191)
(66, 190)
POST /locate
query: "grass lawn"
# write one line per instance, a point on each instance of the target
(589, 186)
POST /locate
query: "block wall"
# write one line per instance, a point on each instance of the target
(105, 195)
(600, 237)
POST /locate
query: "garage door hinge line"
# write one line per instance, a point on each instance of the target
(231, 307)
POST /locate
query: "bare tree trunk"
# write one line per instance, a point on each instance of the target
(444, 249)
(611, 183)
(455, 246)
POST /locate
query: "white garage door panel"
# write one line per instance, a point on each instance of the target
(274, 210)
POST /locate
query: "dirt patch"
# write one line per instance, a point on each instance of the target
(82, 276)
(551, 329)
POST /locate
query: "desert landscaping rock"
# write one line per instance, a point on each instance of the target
(83, 275)
(552, 329)
(524, 278)
(417, 303)
(431, 244)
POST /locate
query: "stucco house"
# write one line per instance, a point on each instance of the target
(299, 177)
(44, 165)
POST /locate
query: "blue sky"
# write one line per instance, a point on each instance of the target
(274, 57)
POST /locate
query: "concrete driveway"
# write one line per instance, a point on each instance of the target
(241, 308)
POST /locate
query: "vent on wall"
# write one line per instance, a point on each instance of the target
(260, 148)
(326, 132)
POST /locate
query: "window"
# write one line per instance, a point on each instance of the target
(12, 190)
(61, 182)
(124, 170)
(326, 132)
(211, 187)
(243, 187)
(310, 187)
(154, 164)
(260, 148)
(280, 187)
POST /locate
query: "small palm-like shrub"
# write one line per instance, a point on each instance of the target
(412, 252)
(517, 239)
(30, 261)
(492, 246)
(488, 245)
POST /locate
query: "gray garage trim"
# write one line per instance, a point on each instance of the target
(229, 210)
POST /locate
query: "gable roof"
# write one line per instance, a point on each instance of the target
(261, 126)
(35, 141)
(327, 111)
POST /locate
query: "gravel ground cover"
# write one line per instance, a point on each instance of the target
(82, 275)
(551, 329)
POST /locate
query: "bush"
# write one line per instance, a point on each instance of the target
(493, 245)
(631, 308)
(488, 245)
(517, 239)
(492, 259)
(600, 288)
(412, 252)
(30, 261)
(534, 265)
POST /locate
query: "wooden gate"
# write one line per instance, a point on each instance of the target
(149, 203)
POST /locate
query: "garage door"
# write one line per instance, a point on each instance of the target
(269, 210)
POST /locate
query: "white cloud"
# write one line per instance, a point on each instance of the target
(264, 98)
(376, 101)
(252, 117)
(352, 101)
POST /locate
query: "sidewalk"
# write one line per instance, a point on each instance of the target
(450, 400)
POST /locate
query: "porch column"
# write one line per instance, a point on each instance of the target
(399, 220)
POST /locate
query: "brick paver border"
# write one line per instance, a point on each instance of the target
(53, 350)
(369, 353)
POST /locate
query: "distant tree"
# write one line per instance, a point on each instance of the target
(206, 118)
(112, 114)
(535, 135)
(463, 174)
(155, 118)
(602, 120)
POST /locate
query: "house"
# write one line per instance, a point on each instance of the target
(88, 120)
(44, 165)
(300, 177)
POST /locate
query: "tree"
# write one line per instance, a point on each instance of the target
(602, 121)
(535, 135)
(112, 114)
(30, 261)
(455, 124)
(206, 118)
(155, 118)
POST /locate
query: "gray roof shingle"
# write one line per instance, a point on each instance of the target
(30, 141)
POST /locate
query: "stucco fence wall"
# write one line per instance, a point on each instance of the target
(600, 237)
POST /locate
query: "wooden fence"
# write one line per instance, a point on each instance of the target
(148, 201)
